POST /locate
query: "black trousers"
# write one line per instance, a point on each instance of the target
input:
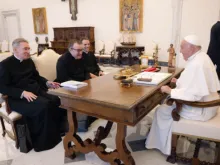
(43, 117)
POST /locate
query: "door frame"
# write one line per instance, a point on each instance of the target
(4, 15)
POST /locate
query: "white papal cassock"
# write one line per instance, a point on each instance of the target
(198, 82)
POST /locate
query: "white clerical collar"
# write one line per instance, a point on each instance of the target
(86, 52)
(191, 57)
(18, 58)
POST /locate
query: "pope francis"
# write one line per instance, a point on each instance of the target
(198, 82)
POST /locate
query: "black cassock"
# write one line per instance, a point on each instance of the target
(214, 46)
(43, 114)
(69, 68)
(91, 63)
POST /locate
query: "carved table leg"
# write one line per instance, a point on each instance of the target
(102, 132)
(124, 153)
(99, 148)
(73, 125)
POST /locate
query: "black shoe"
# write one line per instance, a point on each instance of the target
(91, 119)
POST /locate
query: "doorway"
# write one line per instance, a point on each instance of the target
(11, 26)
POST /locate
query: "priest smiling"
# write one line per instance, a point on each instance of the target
(27, 95)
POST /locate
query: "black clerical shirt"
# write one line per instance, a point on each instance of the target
(17, 76)
(69, 68)
(91, 64)
(214, 45)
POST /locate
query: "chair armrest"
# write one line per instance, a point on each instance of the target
(179, 104)
(200, 104)
(8, 109)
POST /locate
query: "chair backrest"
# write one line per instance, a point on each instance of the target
(46, 64)
(109, 47)
(99, 45)
(5, 46)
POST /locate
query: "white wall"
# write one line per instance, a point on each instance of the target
(104, 16)
(198, 16)
(1, 30)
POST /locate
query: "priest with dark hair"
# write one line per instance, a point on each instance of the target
(90, 59)
(71, 65)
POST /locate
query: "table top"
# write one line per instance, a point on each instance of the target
(108, 92)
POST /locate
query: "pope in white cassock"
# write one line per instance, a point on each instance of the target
(198, 82)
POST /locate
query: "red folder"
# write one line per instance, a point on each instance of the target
(152, 69)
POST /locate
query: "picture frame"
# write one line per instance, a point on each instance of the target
(40, 20)
(144, 61)
(131, 15)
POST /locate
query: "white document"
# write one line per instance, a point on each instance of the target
(156, 77)
(73, 84)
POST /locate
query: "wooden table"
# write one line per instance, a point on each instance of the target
(105, 98)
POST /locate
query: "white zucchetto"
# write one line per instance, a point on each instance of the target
(193, 39)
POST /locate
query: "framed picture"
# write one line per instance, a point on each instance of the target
(144, 61)
(131, 15)
(40, 20)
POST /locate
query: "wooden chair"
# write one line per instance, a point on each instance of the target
(6, 114)
(191, 128)
(109, 51)
(10, 117)
(99, 49)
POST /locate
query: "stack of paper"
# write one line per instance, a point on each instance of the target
(73, 84)
(156, 77)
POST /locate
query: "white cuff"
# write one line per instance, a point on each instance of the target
(22, 95)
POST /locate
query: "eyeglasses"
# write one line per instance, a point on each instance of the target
(78, 50)
(26, 49)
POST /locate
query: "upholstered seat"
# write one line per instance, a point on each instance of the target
(13, 116)
(210, 128)
(10, 117)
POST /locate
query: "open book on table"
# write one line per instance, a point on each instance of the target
(157, 77)
(73, 84)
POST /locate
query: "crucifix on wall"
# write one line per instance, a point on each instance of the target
(73, 8)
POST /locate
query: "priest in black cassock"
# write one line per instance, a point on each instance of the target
(214, 46)
(90, 59)
(71, 65)
(27, 95)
